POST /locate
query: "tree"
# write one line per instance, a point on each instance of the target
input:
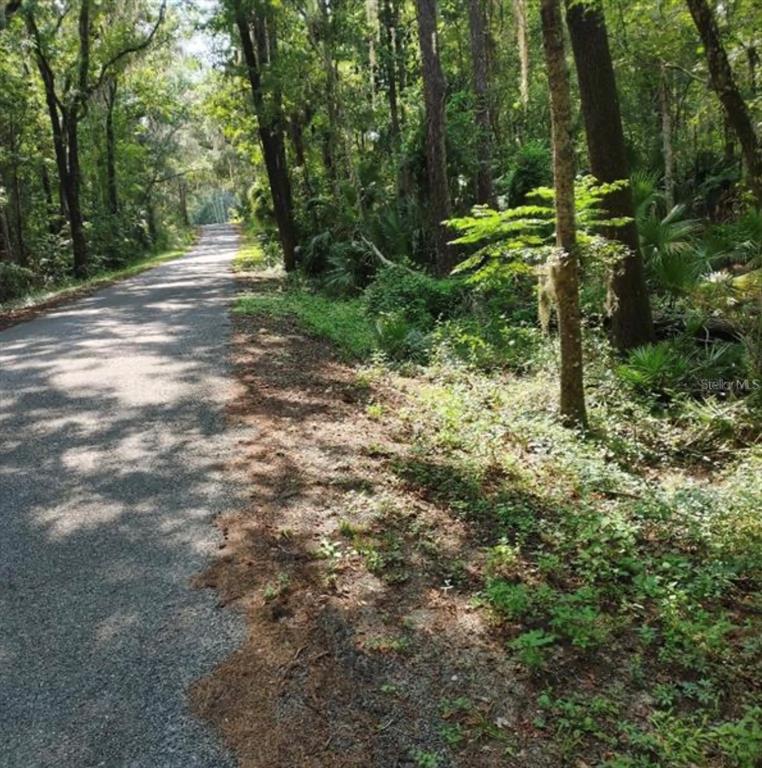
(258, 35)
(7, 10)
(390, 22)
(665, 107)
(478, 30)
(67, 98)
(631, 324)
(6, 249)
(111, 185)
(65, 112)
(16, 107)
(326, 32)
(522, 41)
(434, 88)
(724, 84)
(564, 271)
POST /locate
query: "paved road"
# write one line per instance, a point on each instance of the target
(111, 443)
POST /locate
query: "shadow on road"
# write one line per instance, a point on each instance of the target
(112, 450)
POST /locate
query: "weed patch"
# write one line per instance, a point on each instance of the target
(342, 322)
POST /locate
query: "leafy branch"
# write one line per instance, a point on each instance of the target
(526, 232)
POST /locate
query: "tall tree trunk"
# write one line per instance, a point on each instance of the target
(296, 132)
(72, 186)
(296, 125)
(752, 59)
(73, 181)
(665, 107)
(111, 186)
(54, 217)
(16, 199)
(6, 249)
(374, 38)
(18, 218)
(478, 29)
(153, 231)
(182, 193)
(394, 70)
(390, 26)
(631, 324)
(402, 41)
(564, 267)
(729, 142)
(67, 162)
(522, 39)
(64, 127)
(270, 122)
(331, 131)
(436, 152)
(724, 84)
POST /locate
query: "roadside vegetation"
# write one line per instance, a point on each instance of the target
(619, 566)
(100, 166)
(610, 537)
(26, 294)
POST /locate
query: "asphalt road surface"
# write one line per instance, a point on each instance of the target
(112, 441)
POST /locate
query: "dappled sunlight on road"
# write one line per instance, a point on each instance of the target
(112, 448)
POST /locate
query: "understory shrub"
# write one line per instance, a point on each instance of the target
(490, 343)
(529, 169)
(680, 366)
(655, 368)
(15, 281)
(400, 338)
(419, 298)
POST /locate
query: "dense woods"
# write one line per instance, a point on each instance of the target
(95, 116)
(364, 130)
(550, 209)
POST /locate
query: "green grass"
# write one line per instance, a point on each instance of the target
(342, 322)
(258, 251)
(94, 281)
(250, 256)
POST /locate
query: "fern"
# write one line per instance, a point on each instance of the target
(526, 233)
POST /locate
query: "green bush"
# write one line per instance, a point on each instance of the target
(417, 297)
(349, 267)
(670, 247)
(655, 368)
(314, 254)
(513, 601)
(15, 281)
(718, 363)
(680, 365)
(490, 343)
(529, 170)
(532, 647)
(577, 617)
(401, 339)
